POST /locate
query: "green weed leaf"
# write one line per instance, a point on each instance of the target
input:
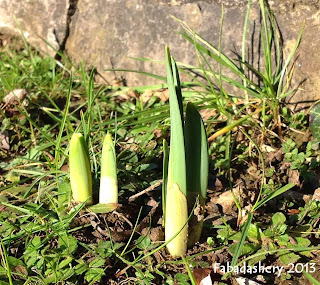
(303, 242)
(144, 278)
(182, 278)
(287, 258)
(143, 242)
(228, 234)
(282, 239)
(315, 122)
(278, 219)
(65, 262)
(3, 272)
(32, 255)
(67, 244)
(254, 233)
(103, 208)
(14, 261)
(94, 274)
(105, 249)
(81, 267)
(247, 249)
(97, 262)
(257, 258)
(64, 195)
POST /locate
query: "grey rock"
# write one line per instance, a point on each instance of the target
(4, 140)
(123, 29)
(106, 33)
(291, 17)
(36, 19)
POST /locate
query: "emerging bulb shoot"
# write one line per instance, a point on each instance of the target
(108, 181)
(80, 173)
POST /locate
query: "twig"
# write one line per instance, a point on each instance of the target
(149, 189)
(123, 217)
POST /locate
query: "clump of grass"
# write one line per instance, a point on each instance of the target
(270, 83)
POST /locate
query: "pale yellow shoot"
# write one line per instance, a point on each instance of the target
(108, 181)
(176, 209)
(80, 173)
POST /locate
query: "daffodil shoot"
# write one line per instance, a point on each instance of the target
(108, 181)
(79, 167)
(185, 176)
(176, 207)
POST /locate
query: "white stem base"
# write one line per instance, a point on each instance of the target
(108, 190)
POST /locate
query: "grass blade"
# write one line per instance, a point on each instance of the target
(272, 195)
(242, 240)
(313, 280)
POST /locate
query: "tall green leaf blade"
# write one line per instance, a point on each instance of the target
(177, 85)
(197, 164)
(197, 157)
(177, 160)
(165, 176)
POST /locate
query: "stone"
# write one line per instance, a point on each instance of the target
(291, 16)
(4, 141)
(38, 20)
(15, 96)
(106, 34)
(123, 29)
